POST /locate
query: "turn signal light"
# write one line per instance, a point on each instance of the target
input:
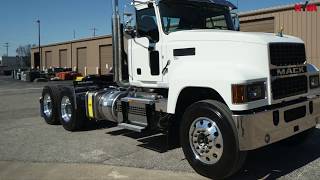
(238, 92)
(243, 93)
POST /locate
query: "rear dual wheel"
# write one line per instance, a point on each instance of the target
(59, 105)
(71, 112)
(209, 140)
(49, 104)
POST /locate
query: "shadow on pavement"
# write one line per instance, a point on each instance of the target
(270, 162)
(155, 141)
(278, 160)
(90, 126)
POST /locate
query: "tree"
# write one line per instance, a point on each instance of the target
(24, 54)
(24, 51)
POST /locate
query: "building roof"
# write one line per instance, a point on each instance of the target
(74, 41)
(274, 9)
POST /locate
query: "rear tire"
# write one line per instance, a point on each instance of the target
(49, 104)
(209, 140)
(72, 116)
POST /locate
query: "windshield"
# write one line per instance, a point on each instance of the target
(188, 16)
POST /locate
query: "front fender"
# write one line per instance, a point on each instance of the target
(213, 75)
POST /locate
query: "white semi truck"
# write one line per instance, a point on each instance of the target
(181, 66)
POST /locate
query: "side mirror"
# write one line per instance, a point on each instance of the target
(129, 21)
(128, 28)
(236, 21)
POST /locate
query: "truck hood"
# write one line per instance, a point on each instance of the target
(217, 59)
(233, 36)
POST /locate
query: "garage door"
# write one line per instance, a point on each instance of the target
(260, 25)
(105, 59)
(48, 56)
(63, 58)
(82, 60)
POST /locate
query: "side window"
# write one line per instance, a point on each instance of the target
(217, 22)
(170, 24)
(147, 24)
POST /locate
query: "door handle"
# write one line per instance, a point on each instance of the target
(165, 69)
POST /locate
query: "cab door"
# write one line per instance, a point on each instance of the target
(146, 48)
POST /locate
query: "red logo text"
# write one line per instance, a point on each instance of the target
(306, 7)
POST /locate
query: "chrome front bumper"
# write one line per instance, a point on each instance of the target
(258, 129)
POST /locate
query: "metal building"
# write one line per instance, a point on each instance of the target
(87, 56)
(303, 23)
(9, 63)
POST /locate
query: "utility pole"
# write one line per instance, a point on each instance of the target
(6, 45)
(74, 34)
(94, 31)
(39, 42)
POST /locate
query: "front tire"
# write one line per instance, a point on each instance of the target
(209, 140)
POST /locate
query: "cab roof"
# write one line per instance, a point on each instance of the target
(218, 2)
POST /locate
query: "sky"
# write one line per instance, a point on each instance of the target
(60, 18)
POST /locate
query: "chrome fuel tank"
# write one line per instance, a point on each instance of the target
(102, 105)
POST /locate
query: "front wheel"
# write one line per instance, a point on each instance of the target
(209, 140)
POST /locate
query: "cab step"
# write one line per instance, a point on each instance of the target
(132, 127)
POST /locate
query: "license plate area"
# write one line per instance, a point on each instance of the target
(294, 114)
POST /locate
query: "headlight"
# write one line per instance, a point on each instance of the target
(314, 81)
(248, 93)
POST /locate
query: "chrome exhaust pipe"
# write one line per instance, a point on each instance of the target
(117, 44)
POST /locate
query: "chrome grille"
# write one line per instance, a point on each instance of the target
(290, 86)
(286, 54)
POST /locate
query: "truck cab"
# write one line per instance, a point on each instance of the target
(152, 29)
(182, 66)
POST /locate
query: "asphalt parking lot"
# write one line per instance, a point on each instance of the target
(24, 137)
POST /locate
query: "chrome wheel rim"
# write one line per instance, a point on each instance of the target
(206, 140)
(47, 105)
(66, 109)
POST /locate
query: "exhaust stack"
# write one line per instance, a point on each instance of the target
(117, 44)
